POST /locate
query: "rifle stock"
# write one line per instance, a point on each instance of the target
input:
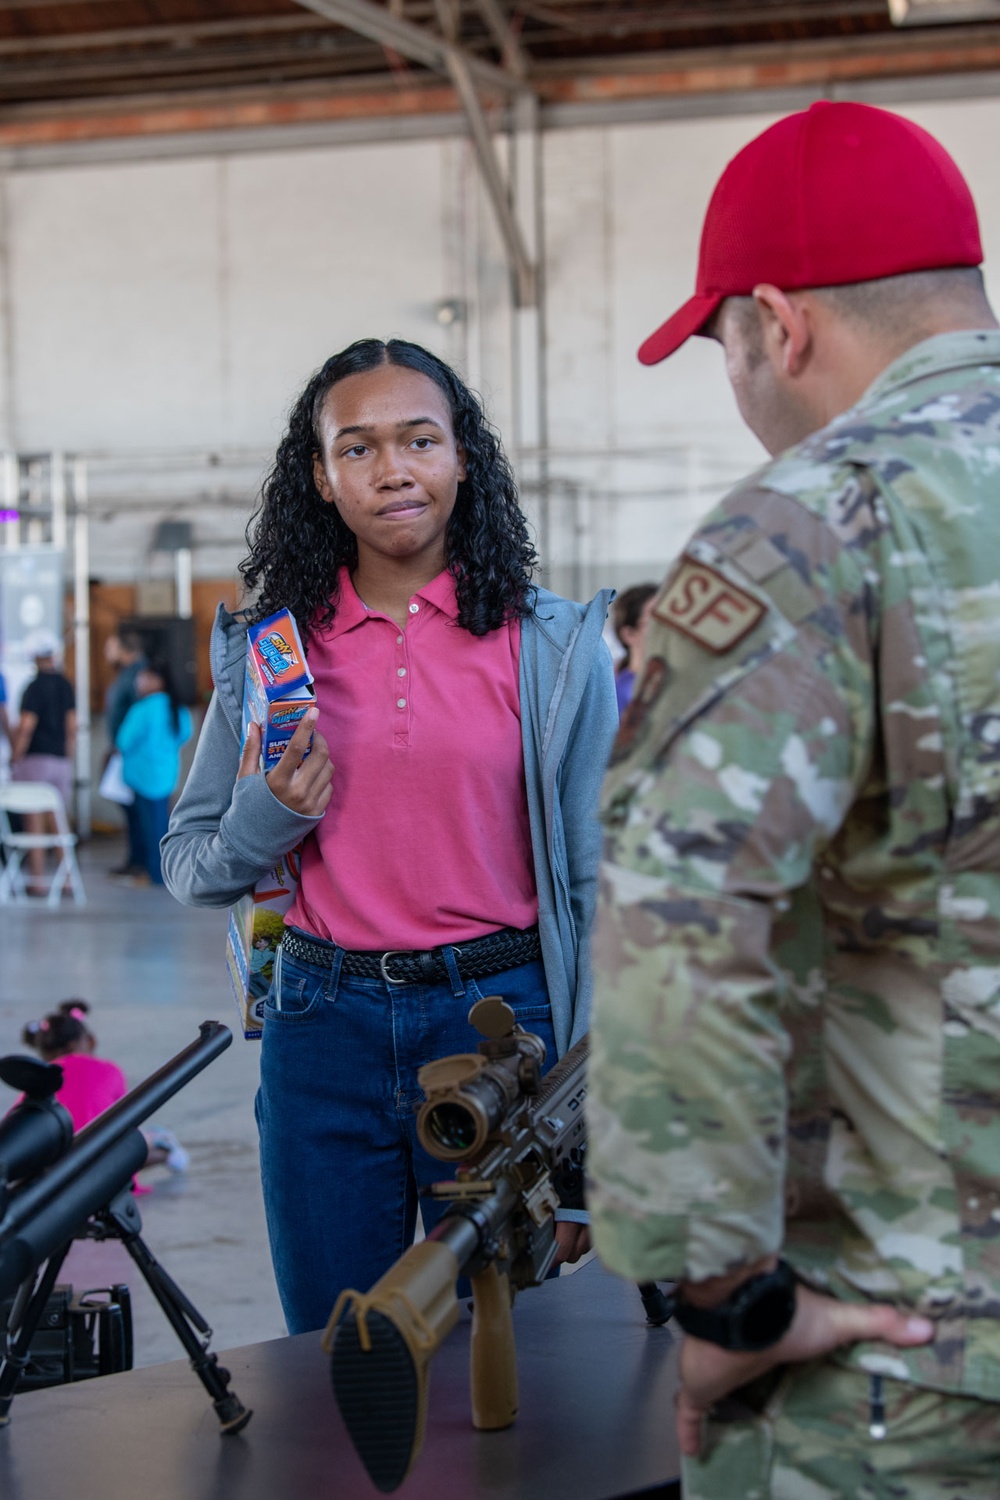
(380, 1345)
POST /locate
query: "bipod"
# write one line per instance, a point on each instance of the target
(120, 1220)
(22, 1323)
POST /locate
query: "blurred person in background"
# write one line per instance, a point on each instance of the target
(124, 651)
(150, 739)
(630, 618)
(91, 1084)
(44, 740)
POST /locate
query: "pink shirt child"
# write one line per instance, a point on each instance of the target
(90, 1086)
(426, 839)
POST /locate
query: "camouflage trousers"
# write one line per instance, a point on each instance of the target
(810, 1438)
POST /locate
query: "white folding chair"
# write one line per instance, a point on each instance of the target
(36, 797)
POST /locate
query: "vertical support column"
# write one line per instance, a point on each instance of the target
(10, 487)
(57, 499)
(8, 394)
(528, 325)
(81, 638)
(37, 528)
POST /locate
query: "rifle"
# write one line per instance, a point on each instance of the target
(55, 1186)
(518, 1140)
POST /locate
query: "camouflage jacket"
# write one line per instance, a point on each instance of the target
(796, 1038)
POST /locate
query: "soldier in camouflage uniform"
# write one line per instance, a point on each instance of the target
(796, 1034)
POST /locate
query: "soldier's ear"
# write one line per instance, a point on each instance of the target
(786, 327)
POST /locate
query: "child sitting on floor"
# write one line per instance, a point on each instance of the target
(92, 1084)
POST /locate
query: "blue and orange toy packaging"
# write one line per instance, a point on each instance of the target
(279, 685)
(277, 691)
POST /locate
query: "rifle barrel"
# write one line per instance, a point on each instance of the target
(54, 1224)
(472, 1223)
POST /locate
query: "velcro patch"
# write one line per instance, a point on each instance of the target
(703, 604)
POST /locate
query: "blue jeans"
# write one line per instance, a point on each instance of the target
(136, 852)
(153, 816)
(340, 1160)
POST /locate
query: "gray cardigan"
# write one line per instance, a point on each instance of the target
(225, 834)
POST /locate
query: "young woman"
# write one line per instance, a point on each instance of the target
(150, 739)
(450, 848)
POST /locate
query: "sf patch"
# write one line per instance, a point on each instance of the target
(702, 604)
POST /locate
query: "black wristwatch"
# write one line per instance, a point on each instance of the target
(754, 1317)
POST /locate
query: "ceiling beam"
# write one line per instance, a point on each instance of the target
(380, 25)
(525, 274)
(591, 21)
(122, 72)
(515, 59)
(468, 73)
(172, 33)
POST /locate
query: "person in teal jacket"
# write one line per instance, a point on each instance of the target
(391, 504)
(150, 740)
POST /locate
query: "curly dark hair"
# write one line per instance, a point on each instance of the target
(61, 1031)
(298, 542)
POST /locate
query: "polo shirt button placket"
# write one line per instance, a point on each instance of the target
(401, 738)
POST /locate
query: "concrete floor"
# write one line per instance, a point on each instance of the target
(152, 971)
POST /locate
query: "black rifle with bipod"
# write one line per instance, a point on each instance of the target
(56, 1186)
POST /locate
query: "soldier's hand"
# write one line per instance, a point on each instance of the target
(573, 1240)
(820, 1324)
(303, 786)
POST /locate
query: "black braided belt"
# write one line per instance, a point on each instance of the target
(476, 959)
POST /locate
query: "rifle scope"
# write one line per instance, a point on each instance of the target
(39, 1129)
(469, 1096)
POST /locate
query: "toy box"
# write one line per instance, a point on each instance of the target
(277, 691)
(256, 925)
(278, 686)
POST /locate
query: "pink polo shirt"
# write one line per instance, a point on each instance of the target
(426, 838)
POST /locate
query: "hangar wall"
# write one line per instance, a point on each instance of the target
(158, 315)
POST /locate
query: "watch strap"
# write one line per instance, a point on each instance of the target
(755, 1316)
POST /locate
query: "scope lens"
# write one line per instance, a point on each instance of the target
(452, 1126)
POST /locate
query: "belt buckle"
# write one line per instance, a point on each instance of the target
(390, 953)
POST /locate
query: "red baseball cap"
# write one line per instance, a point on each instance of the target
(837, 194)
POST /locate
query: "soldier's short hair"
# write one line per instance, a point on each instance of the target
(887, 305)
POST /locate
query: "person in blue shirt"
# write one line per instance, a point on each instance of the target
(125, 652)
(150, 739)
(630, 616)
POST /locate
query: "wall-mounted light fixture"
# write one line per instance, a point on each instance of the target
(450, 311)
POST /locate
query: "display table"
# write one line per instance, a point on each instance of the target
(596, 1419)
